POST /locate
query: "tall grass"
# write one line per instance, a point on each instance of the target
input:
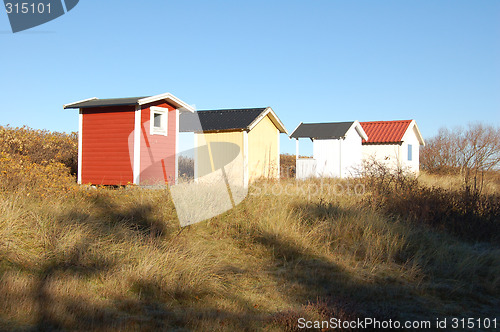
(77, 257)
(457, 210)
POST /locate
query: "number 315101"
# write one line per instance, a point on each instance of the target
(27, 8)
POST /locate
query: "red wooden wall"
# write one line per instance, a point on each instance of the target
(106, 150)
(158, 151)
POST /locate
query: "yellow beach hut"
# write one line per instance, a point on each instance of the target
(251, 133)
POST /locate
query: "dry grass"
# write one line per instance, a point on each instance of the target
(116, 260)
(76, 257)
(456, 182)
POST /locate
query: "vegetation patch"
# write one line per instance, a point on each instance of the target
(98, 258)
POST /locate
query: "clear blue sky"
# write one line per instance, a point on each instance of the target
(313, 61)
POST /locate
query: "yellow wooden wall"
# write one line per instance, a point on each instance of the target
(203, 164)
(262, 156)
(263, 159)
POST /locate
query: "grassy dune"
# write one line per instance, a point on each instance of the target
(75, 257)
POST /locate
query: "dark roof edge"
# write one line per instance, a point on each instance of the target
(108, 105)
(322, 136)
(212, 131)
(234, 109)
(320, 123)
(108, 102)
(66, 106)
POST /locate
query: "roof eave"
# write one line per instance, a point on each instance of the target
(274, 118)
(293, 132)
(70, 105)
(105, 106)
(359, 129)
(419, 135)
(217, 131)
(383, 143)
(179, 104)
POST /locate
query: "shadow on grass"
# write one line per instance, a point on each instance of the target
(140, 218)
(322, 288)
(49, 311)
(318, 287)
(313, 213)
(71, 265)
(145, 307)
(314, 281)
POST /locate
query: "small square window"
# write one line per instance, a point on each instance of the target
(159, 121)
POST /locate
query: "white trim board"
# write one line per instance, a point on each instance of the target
(359, 129)
(137, 146)
(412, 127)
(177, 145)
(278, 149)
(296, 150)
(274, 118)
(164, 119)
(80, 145)
(78, 102)
(183, 106)
(245, 159)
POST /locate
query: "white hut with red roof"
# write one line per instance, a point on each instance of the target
(395, 144)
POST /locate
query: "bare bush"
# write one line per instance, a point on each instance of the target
(287, 164)
(439, 155)
(465, 213)
(186, 167)
(471, 152)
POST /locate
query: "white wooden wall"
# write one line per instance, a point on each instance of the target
(326, 152)
(352, 155)
(338, 157)
(394, 155)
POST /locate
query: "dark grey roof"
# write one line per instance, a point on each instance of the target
(218, 120)
(332, 130)
(106, 102)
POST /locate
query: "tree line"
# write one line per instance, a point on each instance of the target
(472, 152)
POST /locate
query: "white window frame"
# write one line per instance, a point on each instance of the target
(164, 121)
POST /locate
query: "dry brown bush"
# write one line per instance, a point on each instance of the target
(287, 164)
(41, 146)
(472, 152)
(469, 214)
(186, 167)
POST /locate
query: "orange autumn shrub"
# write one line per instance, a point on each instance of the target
(37, 162)
(18, 174)
(41, 146)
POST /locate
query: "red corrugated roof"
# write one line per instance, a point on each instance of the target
(385, 131)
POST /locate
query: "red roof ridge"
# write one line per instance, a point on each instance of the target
(385, 131)
(385, 121)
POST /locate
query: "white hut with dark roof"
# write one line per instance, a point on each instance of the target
(336, 149)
